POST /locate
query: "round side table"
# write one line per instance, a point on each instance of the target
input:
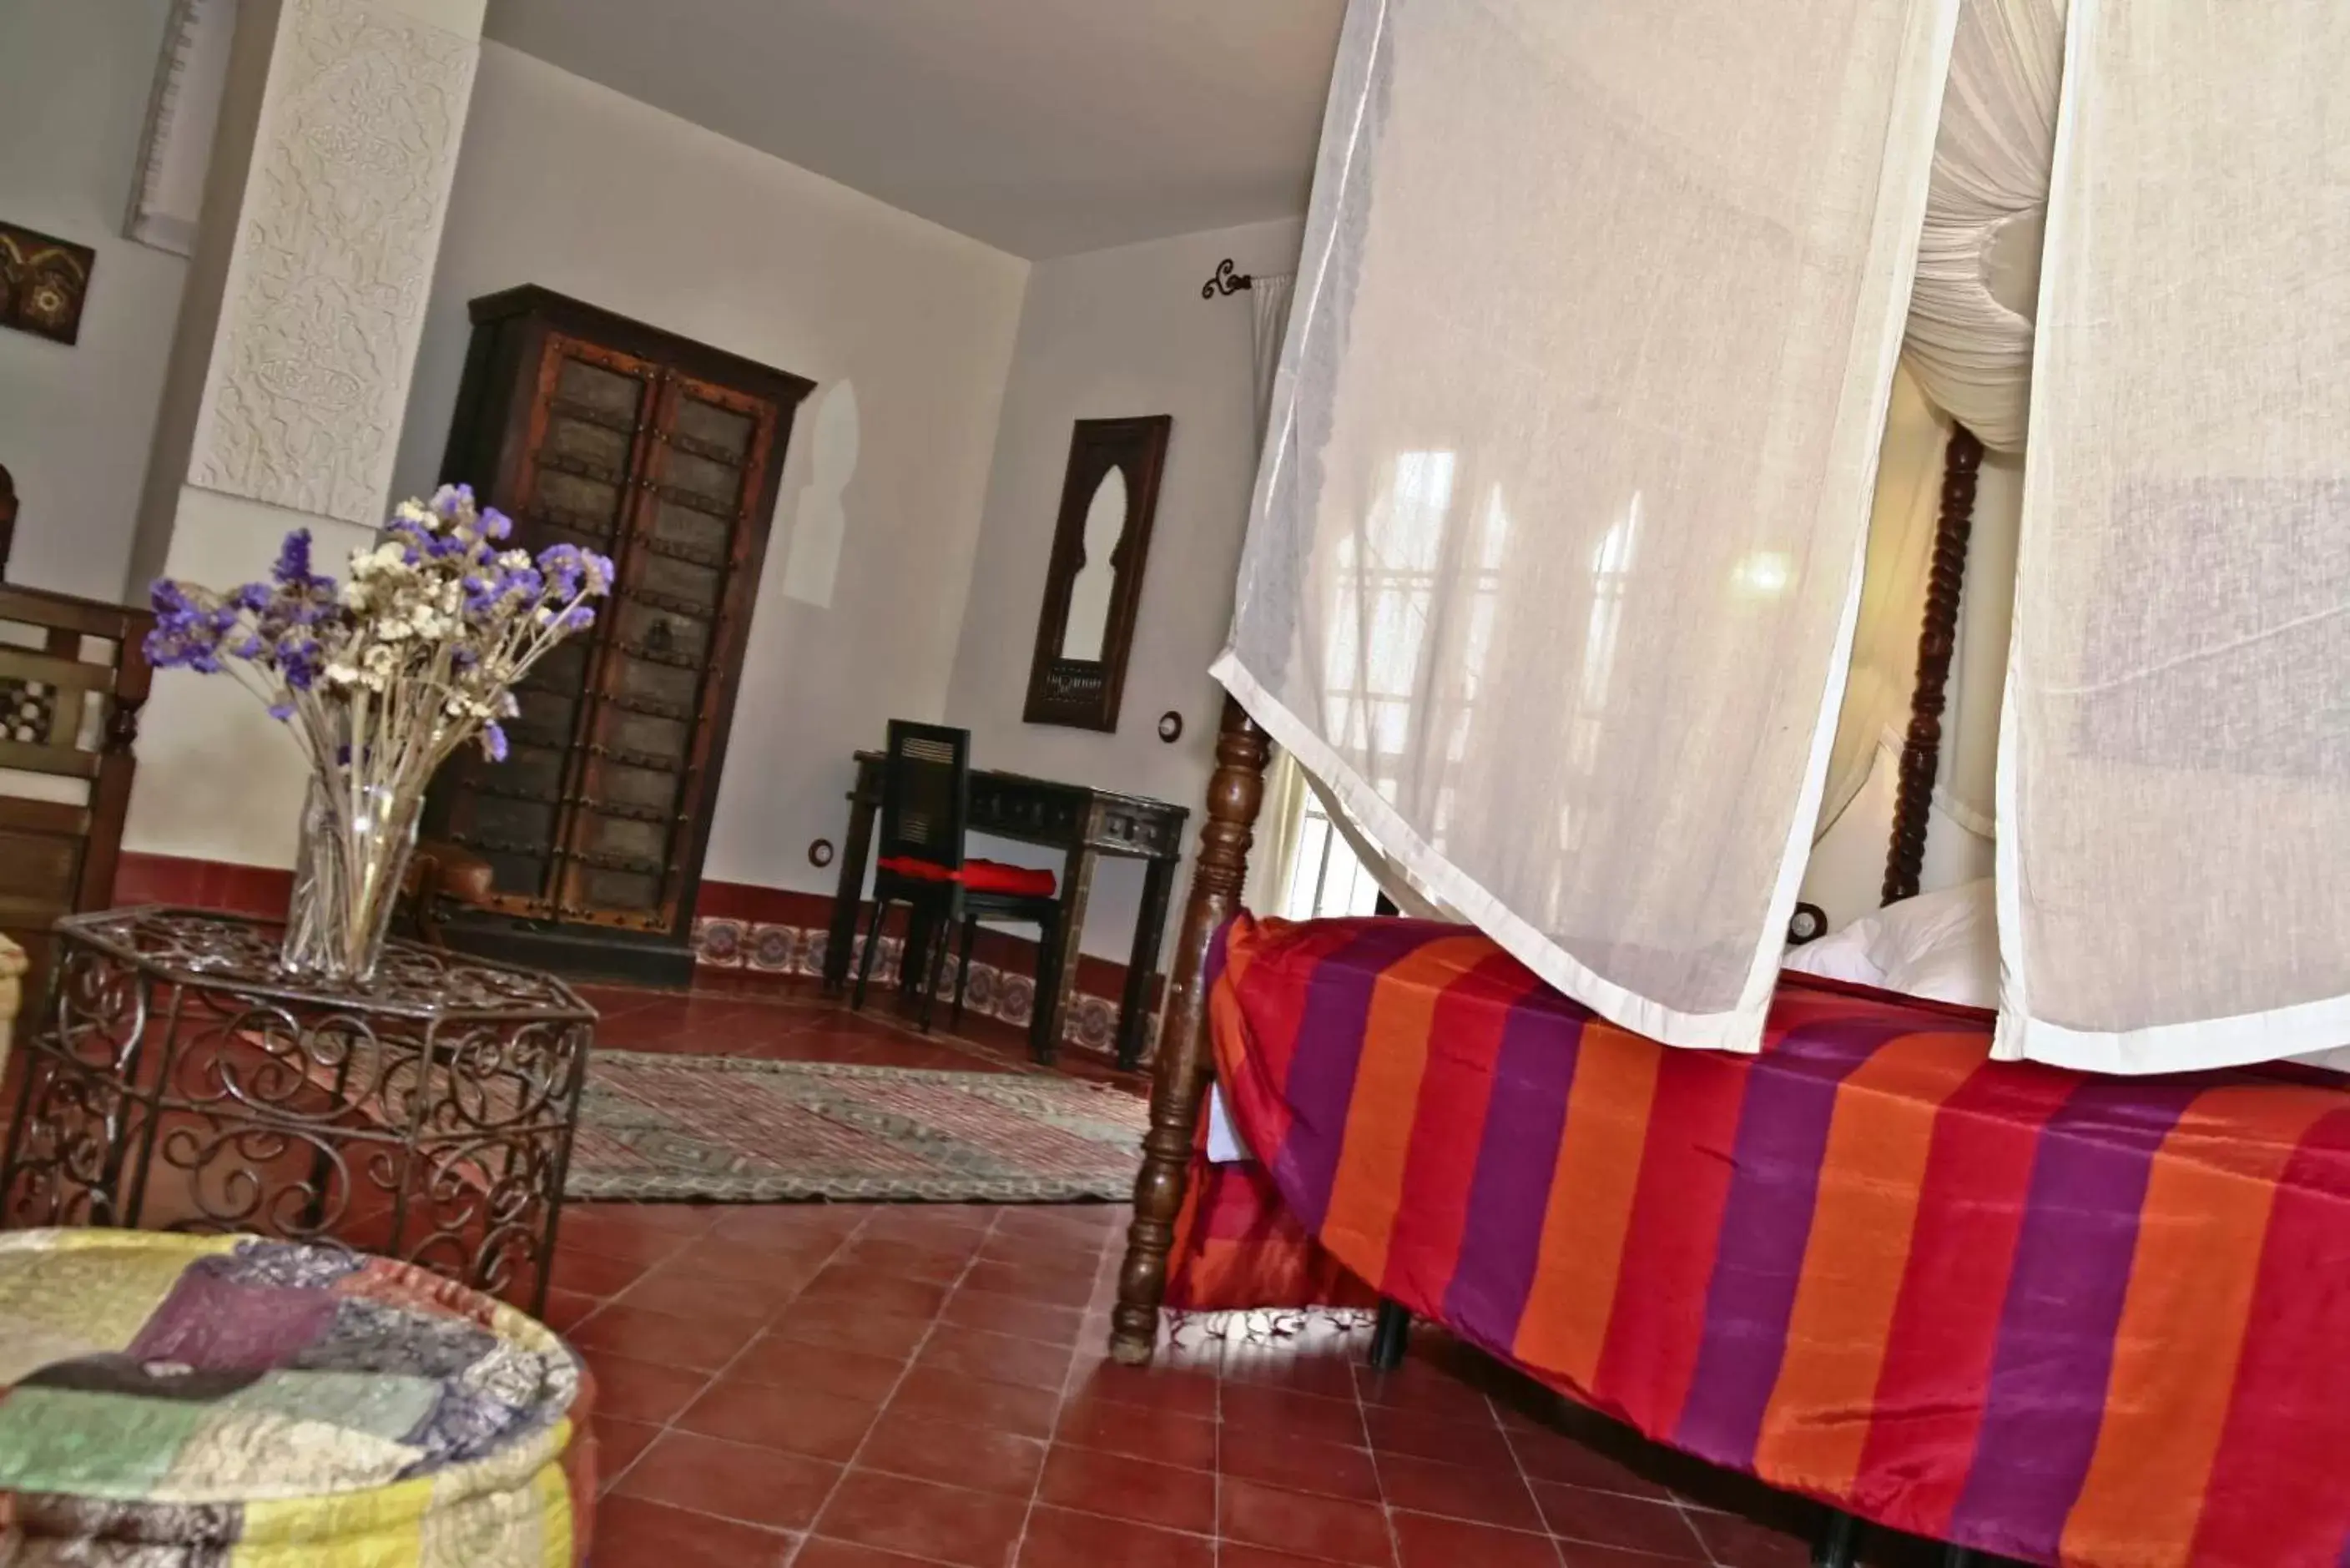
(179, 1079)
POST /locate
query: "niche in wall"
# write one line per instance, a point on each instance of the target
(1093, 581)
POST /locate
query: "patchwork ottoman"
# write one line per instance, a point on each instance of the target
(176, 1401)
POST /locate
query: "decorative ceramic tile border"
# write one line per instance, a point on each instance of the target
(797, 952)
(789, 949)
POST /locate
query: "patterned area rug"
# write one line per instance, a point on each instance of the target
(746, 1130)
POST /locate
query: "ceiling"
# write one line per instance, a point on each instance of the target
(1041, 126)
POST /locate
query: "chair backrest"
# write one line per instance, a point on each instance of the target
(926, 793)
(7, 519)
(73, 676)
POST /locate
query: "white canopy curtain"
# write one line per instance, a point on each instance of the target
(1551, 579)
(2174, 785)
(1286, 784)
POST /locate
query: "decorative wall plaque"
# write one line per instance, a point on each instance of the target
(1093, 584)
(43, 282)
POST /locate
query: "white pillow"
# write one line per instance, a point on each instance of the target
(1943, 946)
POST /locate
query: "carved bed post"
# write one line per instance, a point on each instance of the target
(1185, 1064)
(1905, 858)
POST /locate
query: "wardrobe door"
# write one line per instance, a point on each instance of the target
(658, 680)
(576, 480)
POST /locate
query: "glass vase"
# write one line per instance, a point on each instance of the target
(347, 867)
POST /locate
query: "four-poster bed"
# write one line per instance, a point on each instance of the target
(1559, 580)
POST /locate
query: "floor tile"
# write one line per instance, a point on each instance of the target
(618, 1444)
(1300, 1464)
(721, 1257)
(619, 1231)
(1554, 1456)
(564, 1309)
(1150, 1389)
(704, 1345)
(1608, 1518)
(641, 1390)
(821, 1554)
(839, 1324)
(591, 1273)
(1038, 1321)
(788, 1363)
(1186, 1441)
(1745, 1543)
(1140, 1490)
(634, 1533)
(1284, 1413)
(944, 1524)
(1327, 1526)
(1055, 1287)
(690, 1292)
(733, 1480)
(953, 1454)
(928, 1393)
(875, 1290)
(1429, 1542)
(1424, 1436)
(1236, 1554)
(1059, 1539)
(977, 1353)
(932, 1265)
(1482, 1494)
(796, 1420)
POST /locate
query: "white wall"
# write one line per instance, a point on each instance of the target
(76, 422)
(1105, 335)
(569, 185)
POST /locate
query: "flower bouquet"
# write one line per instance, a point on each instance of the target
(379, 680)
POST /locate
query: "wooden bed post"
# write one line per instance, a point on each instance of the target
(1185, 1064)
(1905, 857)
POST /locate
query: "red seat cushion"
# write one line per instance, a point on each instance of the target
(979, 876)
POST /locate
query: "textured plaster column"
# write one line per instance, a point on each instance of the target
(281, 408)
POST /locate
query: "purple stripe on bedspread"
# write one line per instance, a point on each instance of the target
(1321, 1087)
(1517, 1157)
(1766, 1223)
(2064, 1295)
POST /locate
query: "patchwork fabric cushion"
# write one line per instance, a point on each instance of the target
(205, 1399)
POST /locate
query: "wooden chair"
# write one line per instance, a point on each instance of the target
(73, 676)
(925, 815)
(7, 519)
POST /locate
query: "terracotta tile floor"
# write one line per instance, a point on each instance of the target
(891, 1386)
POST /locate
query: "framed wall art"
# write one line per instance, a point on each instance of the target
(1092, 583)
(43, 282)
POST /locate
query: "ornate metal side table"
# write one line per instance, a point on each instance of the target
(179, 1079)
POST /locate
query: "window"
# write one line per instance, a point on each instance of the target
(1324, 878)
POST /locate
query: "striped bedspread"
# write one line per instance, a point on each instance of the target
(2089, 1321)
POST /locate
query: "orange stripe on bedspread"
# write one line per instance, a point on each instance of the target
(1817, 1422)
(1367, 1189)
(2201, 1233)
(1564, 1325)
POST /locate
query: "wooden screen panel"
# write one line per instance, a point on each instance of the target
(683, 597)
(577, 484)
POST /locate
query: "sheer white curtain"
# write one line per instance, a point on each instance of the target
(1274, 856)
(2175, 766)
(1969, 340)
(1551, 579)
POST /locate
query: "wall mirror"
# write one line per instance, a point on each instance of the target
(1093, 581)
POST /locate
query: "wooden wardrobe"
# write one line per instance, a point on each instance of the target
(586, 426)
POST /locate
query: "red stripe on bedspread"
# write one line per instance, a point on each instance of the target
(2100, 1321)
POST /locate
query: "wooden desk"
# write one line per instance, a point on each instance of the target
(1086, 823)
